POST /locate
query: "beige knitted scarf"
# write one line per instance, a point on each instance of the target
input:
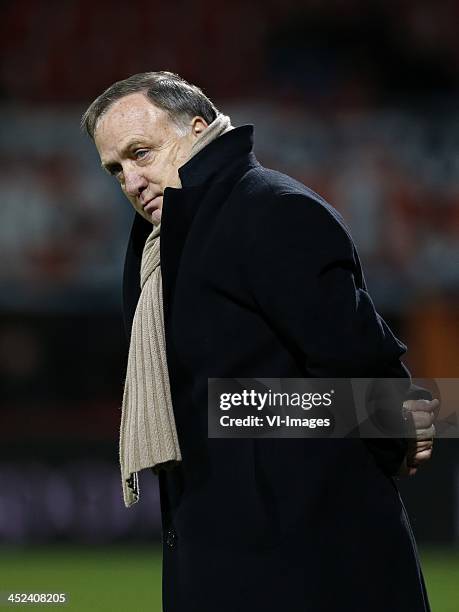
(148, 436)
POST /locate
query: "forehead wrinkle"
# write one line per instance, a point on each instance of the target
(131, 111)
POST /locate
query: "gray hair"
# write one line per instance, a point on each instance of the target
(166, 90)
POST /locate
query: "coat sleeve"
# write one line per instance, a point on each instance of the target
(305, 278)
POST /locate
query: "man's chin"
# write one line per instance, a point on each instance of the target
(155, 217)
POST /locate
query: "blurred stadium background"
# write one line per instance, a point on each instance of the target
(357, 99)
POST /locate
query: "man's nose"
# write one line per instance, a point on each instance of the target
(134, 183)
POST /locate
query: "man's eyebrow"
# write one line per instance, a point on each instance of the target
(110, 167)
(135, 142)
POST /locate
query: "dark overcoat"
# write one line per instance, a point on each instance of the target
(261, 279)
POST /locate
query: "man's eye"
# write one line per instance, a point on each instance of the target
(140, 153)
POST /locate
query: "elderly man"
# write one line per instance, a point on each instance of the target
(234, 270)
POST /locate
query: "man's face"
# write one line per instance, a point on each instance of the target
(140, 145)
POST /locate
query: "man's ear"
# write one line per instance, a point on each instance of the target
(198, 125)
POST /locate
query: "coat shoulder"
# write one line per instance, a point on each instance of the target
(281, 201)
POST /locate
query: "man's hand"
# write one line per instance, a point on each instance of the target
(422, 413)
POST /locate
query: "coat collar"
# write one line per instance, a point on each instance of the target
(217, 156)
(221, 160)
